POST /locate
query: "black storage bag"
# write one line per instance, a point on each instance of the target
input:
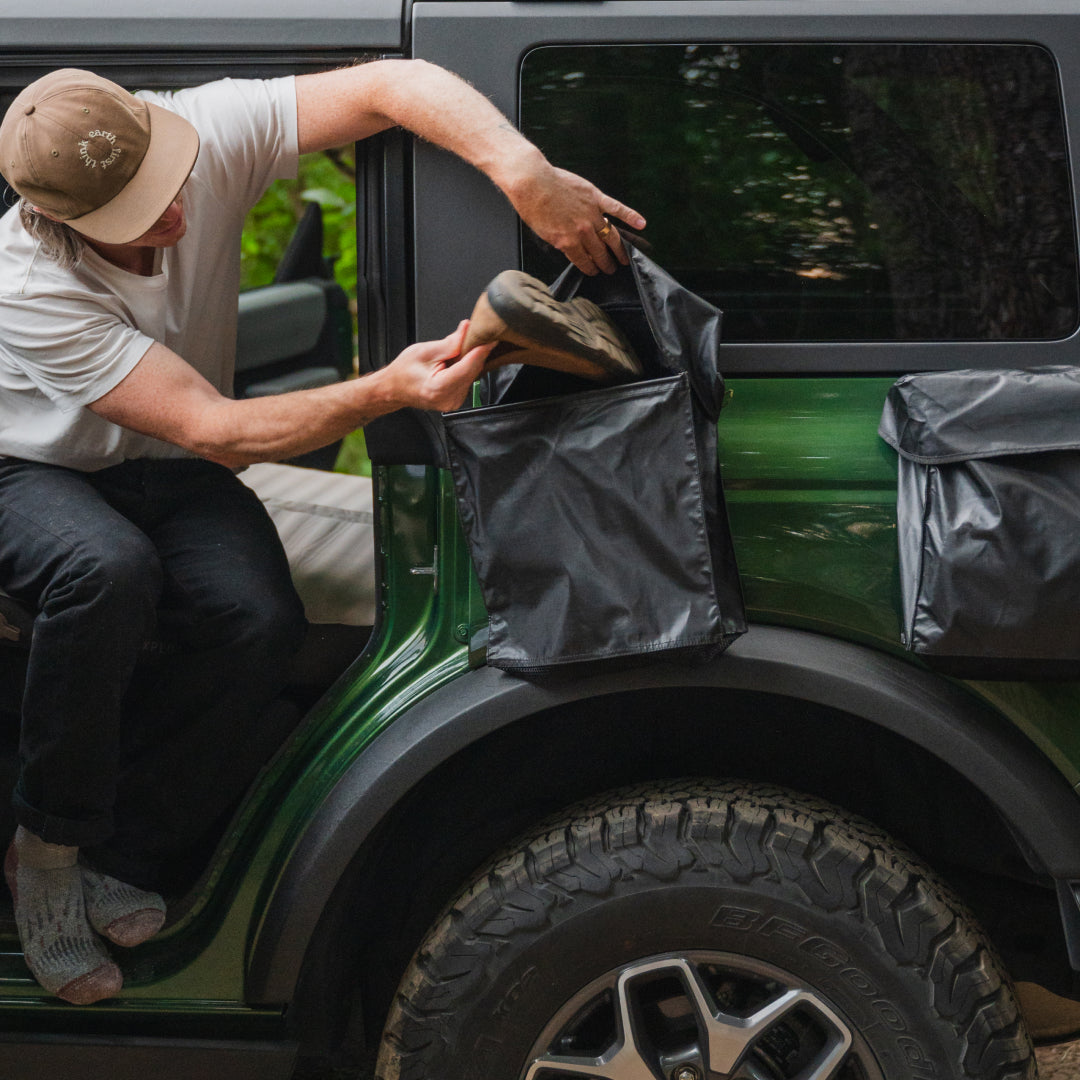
(594, 515)
(988, 512)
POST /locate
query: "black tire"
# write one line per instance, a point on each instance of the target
(694, 907)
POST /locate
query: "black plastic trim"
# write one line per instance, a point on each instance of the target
(138, 68)
(1068, 894)
(254, 29)
(55, 1057)
(940, 716)
(407, 436)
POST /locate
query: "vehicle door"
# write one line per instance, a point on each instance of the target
(860, 196)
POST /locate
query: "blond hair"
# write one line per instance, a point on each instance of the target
(57, 241)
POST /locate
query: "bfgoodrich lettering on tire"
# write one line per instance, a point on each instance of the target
(702, 931)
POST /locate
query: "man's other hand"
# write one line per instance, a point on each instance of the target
(434, 375)
(573, 215)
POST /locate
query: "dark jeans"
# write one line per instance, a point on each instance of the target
(167, 622)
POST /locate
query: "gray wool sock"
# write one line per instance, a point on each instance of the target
(124, 914)
(60, 948)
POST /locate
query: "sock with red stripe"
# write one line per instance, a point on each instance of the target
(62, 951)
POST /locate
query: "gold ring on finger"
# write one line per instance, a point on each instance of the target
(605, 230)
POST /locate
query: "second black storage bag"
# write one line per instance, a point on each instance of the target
(988, 515)
(594, 515)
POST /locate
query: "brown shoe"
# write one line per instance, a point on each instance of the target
(532, 327)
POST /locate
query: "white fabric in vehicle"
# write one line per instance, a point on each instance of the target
(326, 522)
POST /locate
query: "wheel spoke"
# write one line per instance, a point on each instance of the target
(730, 1038)
(726, 1041)
(621, 1061)
(571, 1066)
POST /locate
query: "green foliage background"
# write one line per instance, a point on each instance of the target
(326, 179)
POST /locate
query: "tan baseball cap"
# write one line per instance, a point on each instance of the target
(87, 152)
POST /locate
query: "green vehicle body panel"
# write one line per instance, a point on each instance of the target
(811, 493)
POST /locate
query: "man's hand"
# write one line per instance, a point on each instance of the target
(433, 375)
(572, 215)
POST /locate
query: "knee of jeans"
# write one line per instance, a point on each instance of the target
(124, 573)
(275, 621)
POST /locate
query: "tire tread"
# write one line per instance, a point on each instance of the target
(840, 863)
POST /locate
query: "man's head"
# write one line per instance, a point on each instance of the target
(86, 152)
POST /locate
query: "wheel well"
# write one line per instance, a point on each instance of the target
(480, 798)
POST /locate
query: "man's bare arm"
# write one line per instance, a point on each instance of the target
(163, 396)
(566, 210)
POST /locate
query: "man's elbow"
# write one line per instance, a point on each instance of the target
(388, 82)
(225, 447)
(208, 438)
(215, 451)
(230, 459)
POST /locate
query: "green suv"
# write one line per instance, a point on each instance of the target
(816, 856)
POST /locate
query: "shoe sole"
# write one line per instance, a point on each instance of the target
(532, 327)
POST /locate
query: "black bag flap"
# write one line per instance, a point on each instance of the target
(945, 416)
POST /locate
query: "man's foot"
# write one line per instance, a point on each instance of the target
(61, 950)
(126, 915)
(532, 327)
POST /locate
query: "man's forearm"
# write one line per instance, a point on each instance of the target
(442, 108)
(236, 433)
(565, 210)
(336, 107)
(164, 397)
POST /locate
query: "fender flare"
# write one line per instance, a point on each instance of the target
(929, 710)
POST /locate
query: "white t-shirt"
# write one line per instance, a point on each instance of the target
(67, 337)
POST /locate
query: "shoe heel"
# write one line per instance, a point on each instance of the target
(532, 327)
(484, 325)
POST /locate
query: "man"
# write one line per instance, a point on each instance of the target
(119, 507)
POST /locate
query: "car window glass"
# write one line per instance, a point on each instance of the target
(821, 192)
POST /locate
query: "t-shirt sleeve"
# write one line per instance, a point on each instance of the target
(71, 349)
(247, 130)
